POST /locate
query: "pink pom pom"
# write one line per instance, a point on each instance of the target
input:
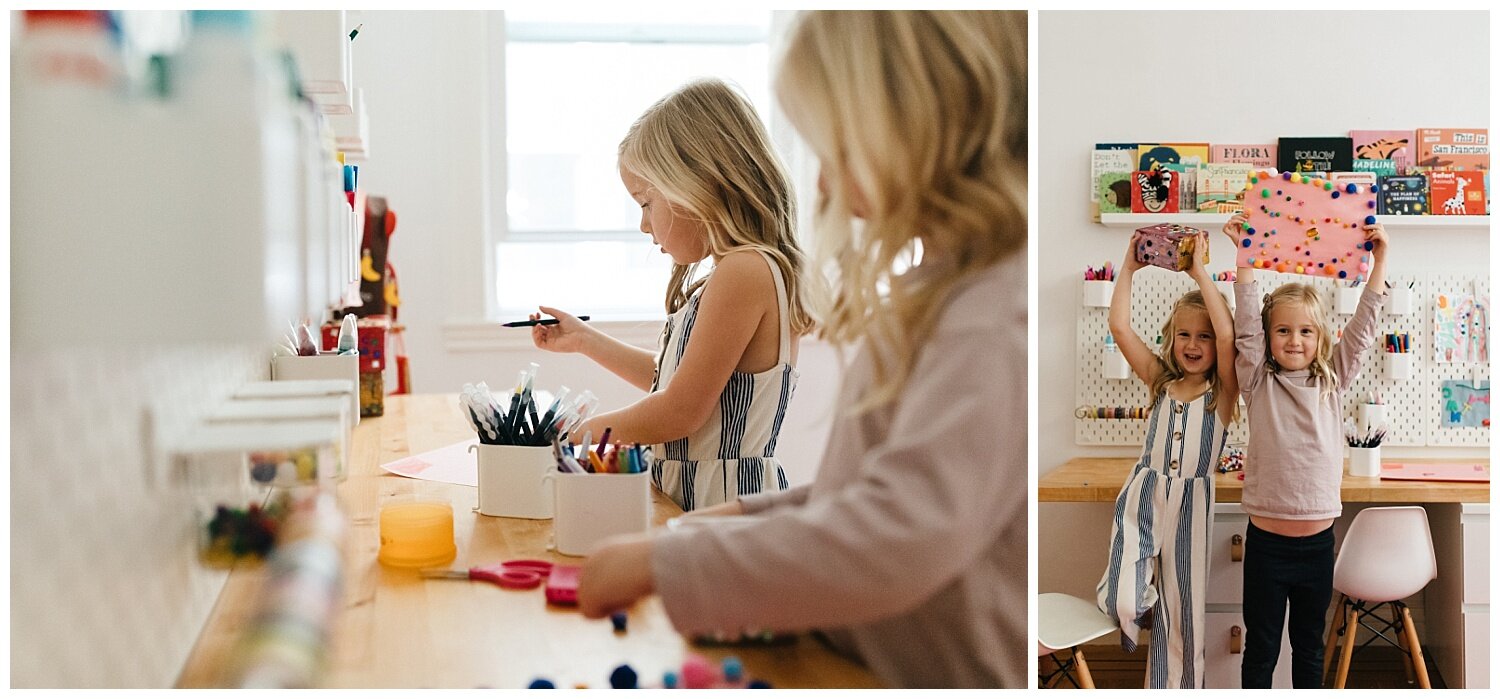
(698, 673)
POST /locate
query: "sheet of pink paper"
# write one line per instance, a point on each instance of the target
(1436, 472)
(450, 464)
(1305, 225)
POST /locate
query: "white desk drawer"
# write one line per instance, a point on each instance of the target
(1226, 576)
(1224, 664)
(1476, 534)
(1476, 650)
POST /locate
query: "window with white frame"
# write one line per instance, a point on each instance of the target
(573, 84)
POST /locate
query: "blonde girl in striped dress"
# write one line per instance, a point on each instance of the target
(701, 166)
(1158, 555)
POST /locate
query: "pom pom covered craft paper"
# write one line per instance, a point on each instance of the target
(1307, 225)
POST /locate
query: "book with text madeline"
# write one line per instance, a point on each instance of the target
(1403, 195)
(1261, 155)
(1381, 168)
(1315, 154)
(1399, 146)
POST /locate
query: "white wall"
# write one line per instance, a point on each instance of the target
(423, 76)
(1139, 76)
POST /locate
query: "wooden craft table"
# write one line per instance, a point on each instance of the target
(1100, 479)
(397, 629)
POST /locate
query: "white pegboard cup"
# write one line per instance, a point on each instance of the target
(1399, 301)
(1364, 462)
(1097, 292)
(1398, 365)
(1348, 299)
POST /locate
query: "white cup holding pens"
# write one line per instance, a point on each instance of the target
(591, 507)
(512, 481)
(1096, 292)
(1364, 449)
(1348, 298)
(1398, 365)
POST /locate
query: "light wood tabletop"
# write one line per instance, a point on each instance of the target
(397, 629)
(1100, 479)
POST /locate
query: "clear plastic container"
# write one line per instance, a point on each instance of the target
(417, 533)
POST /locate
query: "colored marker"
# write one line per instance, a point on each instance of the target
(529, 323)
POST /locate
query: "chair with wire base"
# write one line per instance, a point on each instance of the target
(1066, 622)
(1387, 556)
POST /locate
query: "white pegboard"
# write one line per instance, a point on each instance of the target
(1411, 404)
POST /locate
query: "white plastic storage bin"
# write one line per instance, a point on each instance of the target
(1097, 292)
(284, 411)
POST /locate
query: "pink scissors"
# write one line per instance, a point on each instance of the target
(520, 574)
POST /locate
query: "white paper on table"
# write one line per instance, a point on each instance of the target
(450, 464)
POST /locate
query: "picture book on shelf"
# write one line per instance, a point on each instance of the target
(1308, 154)
(1154, 192)
(1453, 149)
(1456, 193)
(1403, 195)
(1152, 156)
(1399, 147)
(1261, 155)
(1380, 167)
(1220, 187)
(1187, 183)
(1106, 158)
(1113, 192)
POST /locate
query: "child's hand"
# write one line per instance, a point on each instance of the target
(615, 575)
(1196, 268)
(1375, 233)
(1234, 227)
(567, 336)
(1130, 264)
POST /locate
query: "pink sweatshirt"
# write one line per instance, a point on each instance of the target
(908, 551)
(1294, 463)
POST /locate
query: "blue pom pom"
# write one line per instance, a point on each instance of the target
(733, 669)
(623, 677)
(1351, 189)
(1286, 175)
(1343, 274)
(1245, 243)
(1369, 245)
(1336, 194)
(541, 683)
(1374, 189)
(669, 680)
(758, 684)
(1369, 220)
(618, 619)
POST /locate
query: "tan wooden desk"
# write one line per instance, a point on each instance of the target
(399, 630)
(1100, 480)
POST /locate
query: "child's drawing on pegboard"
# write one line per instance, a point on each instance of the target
(1466, 404)
(1461, 329)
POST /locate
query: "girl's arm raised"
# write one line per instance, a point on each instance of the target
(637, 366)
(1137, 353)
(1232, 228)
(1223, 323)
(736, 297)
(1249, 334)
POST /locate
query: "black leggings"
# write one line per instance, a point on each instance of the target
(1281, 570)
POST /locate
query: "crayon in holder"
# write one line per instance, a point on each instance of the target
(1347, 300)
(1097, 292)
(1398, 365)
(1399, 301)
(511, 481)
(1364, 462)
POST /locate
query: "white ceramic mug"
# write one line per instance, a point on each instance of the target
(511, 481)
(591, 507)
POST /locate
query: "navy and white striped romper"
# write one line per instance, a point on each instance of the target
(1158, 555)
(734, 452)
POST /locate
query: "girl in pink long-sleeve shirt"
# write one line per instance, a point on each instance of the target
(1292, 375)
(908, 550)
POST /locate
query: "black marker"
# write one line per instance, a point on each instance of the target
(529, 323)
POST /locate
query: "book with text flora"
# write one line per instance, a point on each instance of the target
(1397, 146)
(1453, 149)
(1261, 155)
(1315, 154)
(1456, 193)
(1403, 195)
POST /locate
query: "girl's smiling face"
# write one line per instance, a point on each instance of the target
(1193, 341)
(670, 228)
(1293, 336)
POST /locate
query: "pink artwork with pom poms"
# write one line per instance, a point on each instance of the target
(1307, 225)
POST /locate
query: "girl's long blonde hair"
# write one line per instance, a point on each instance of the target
(1166, 358)
(1306, 296)
(921, 117)
(706, 151)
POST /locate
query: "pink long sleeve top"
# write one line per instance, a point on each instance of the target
(908, 550)
(1294, 462)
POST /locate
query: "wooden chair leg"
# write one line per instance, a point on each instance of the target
(1401, 641)
(1348, 649)
(1418, 663)
(1333, 634)
(1085, 680)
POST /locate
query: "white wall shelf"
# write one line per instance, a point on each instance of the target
(1198, 219)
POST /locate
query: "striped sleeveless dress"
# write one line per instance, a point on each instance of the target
(1158, 554)
(734, 452)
